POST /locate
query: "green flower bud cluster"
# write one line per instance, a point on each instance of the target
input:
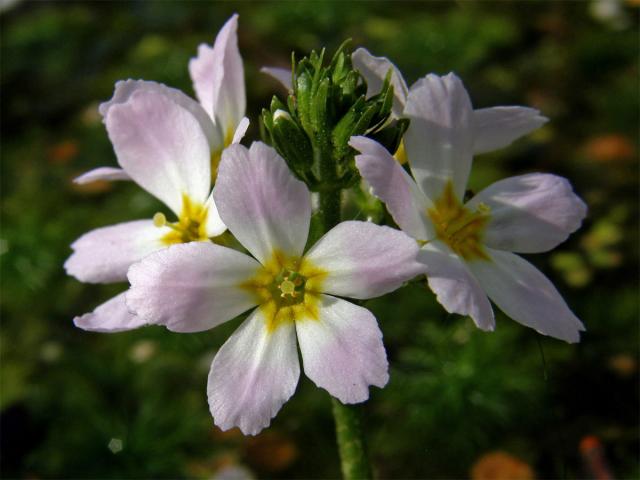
(326, 106)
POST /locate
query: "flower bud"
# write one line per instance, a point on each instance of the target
(326, 107)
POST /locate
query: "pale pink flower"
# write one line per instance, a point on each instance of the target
(197, 286)
(494, 127)
(170, 145)
(467, 246)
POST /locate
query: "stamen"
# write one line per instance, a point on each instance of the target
(483, 208)
(159, 220)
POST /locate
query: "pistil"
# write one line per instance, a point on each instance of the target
(286, 290)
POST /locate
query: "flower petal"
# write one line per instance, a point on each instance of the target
(455, 287)
(282, 75)
(218, 79)
(261, 202)
(526, 295)
(110, 317)
(162, 147)
(105, 254)
(391, 184)
(374, 70)
(342, 350)
(124, 89)
(364, 260)
(254, 373)
(214, 226)
(102, 173)
(439, 141)
(241, 130)
(497, 127)
(191, 287)
(530, 213)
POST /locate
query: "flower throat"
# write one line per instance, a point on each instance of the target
(460, 228)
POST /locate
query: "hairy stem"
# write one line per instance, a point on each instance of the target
(329, 209)
(354, 460)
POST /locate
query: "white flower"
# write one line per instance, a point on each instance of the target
(467, 245)
(170, 145)
(198, 286)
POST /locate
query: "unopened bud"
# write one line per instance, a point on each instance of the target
(326, 107)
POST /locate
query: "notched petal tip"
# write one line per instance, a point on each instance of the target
(342, 351)
(526, 295)
(253, 374)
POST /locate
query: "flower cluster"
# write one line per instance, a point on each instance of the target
(356, 118)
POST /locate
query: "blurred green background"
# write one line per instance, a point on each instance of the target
(133, 405)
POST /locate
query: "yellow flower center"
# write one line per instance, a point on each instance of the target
(190, 227)
(286, 290)
(460, 228)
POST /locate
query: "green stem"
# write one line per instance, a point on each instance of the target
(353, 450)
(354, 460)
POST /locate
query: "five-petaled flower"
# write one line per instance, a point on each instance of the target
(467, 246)
(170, 145)
(196, 286)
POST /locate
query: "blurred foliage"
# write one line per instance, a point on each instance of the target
(133, 405)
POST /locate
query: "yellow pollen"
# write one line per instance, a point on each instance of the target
(190, 227)
(159, 220)
(286, 290)
(457, 226)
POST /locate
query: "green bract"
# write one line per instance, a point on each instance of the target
(325, 108)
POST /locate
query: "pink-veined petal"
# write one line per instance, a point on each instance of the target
(497, 127)
(342, 350)
(105, 254)
(214, 225)
(191, 287)
(111, 317)
(374, 70)
(218, 79)
(162, 147)
(522, 292)
(530, 213)
(261, 202)
(282, 75)
(254, 373)
(391, 184)
(455, 287)
(124, 89)
(241, 130)
(108, 174)
(439, 140)
(364, 260)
